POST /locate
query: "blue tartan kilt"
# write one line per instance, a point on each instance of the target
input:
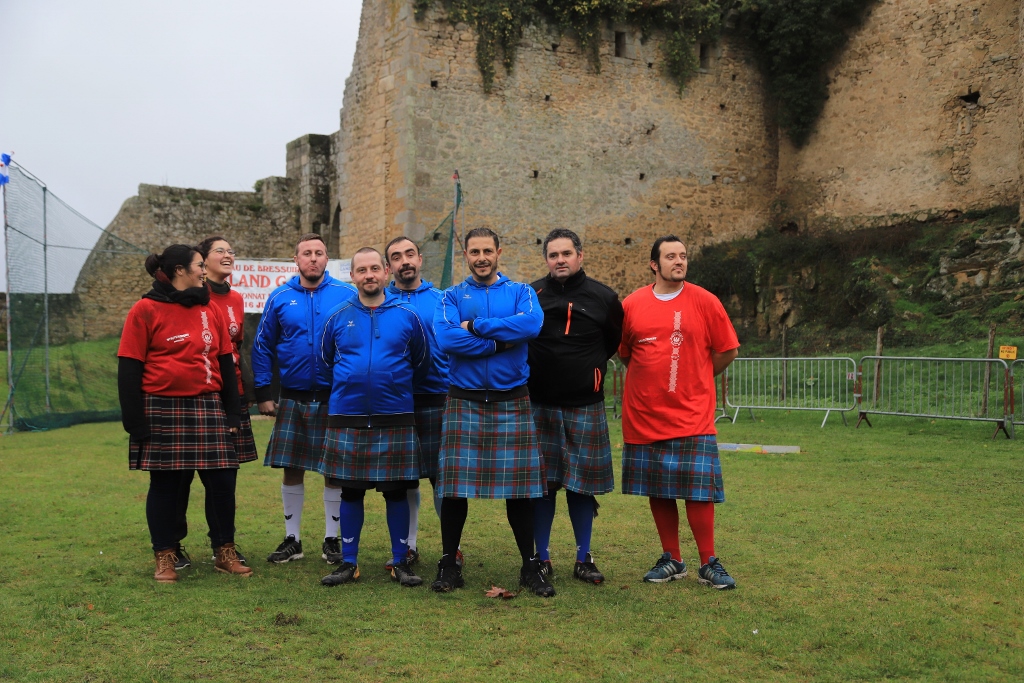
(244, 441)
(686, 468)
(185, 433)
(297, 440)
(429, 429)
(575, 448)
(489, 450)
(375, 454)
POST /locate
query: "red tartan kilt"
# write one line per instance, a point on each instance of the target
(185, 433)
(244, 441)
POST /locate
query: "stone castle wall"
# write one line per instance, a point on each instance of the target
(922, 118)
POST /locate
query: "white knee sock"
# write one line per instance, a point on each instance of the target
(414, 515)
(332, 513)
(292, 497)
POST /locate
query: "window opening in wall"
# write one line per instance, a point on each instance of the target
(734, 77)
(714, 178)
(668, 206)
(629, 240)
(642, 176)
(705, 56)
(547, 98)
(722, 107)
(433, 84)
(650, 65)
(620, 43)
(554, 47)
(536, 173)
(539, 241)
(971, 97)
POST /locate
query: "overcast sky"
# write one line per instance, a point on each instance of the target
(97, 96)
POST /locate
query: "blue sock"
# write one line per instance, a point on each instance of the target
(398, 527)
(581, 514)
(351, 526)
(543, 517)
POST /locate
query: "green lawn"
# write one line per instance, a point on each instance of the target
(891, 553)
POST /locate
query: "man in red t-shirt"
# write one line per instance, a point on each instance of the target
(676, 337)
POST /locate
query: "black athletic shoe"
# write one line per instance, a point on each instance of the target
(586, 571)
(532, 576)
(449, 577)
(183, 561)
(332, 550)
(289, 550)
(546, 567)
(412, 556)
(403, 574)
(346, 573)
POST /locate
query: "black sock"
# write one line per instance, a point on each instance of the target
(520, 517)
(453, 519)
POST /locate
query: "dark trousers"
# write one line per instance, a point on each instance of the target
(165, 514)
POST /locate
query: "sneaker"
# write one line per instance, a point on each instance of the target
(402, 573)
(547, 568)
(346, 573)
(532, 576)
(289, 550)
(332, 550)
(666, 569)
(713, 574)
(183, 561)
(411, 558)
(449, 577)
(586, 571)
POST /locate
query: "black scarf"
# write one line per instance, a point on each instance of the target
(166, 293)
(219, 288)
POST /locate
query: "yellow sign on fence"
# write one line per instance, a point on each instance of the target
(1008, 352)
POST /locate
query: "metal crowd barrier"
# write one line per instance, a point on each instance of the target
(977, 389)
(1017, 409)
(792, 384)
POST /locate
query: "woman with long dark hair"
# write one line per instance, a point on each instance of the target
(179, 413)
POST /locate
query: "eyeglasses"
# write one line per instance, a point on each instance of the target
(222, 251)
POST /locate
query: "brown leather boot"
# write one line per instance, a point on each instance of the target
(165, 560)
(227, 561)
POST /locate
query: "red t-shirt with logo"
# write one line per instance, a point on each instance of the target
(232, 310)
(178, 345)
(670, 383)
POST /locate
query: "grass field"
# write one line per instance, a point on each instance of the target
(891, 553)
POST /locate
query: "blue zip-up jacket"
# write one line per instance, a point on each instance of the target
(289, 334)
(425, 299)
(376, 355)
(505, 313)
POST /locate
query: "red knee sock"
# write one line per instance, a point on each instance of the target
(666, 519)
(701, 516)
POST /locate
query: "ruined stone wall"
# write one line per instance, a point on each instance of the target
(619, 156)
(308, 163)
(922, 118)
(258, 225)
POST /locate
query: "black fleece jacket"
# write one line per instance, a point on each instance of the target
(582, 330)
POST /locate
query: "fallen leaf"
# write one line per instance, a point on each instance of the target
(259, 609)
(622, 588)
(90, 607)
(498, 592)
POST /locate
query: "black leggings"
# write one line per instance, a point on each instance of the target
(164, 511)
(519, 512)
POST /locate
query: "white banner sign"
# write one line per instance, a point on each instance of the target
(255, 280)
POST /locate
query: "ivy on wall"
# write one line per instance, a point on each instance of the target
(794, 40)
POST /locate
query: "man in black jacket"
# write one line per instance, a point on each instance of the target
(582, 329)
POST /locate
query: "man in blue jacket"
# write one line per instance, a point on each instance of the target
(489, 448)
(377, 348)
(288, 337)
(405, 262)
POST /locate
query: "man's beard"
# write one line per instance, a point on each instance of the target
(407, 276)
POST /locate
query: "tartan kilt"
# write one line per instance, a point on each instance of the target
(429, 429)
(489, 450)
(375, 454)
(575, 448)
(297, 440)
(185, 433)
(244, 441)
(686, 468)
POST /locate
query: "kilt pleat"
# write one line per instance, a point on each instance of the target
(297, 440)
(575, 447)
(377, 454)
(429, 429)
(244, 441)
(489, 450)
(185, 433)
(686, 468)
